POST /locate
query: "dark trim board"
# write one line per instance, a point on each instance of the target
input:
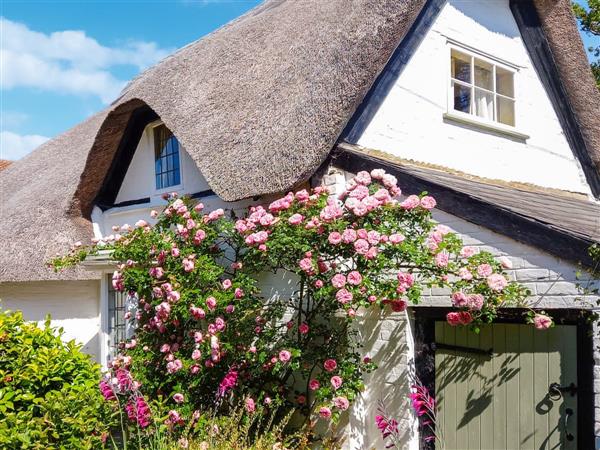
(520, 228)
(424, 338)
(145, 200)
(141, 117)
(394, 67)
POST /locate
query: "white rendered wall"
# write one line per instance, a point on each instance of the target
(410, 123)
(73, 305)
(140, 182)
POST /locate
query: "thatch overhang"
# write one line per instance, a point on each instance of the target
(259, 104)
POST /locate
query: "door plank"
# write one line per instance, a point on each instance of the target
(499, 397)
(540, 385)
(487, 389)
(509, 379)
(527, 399)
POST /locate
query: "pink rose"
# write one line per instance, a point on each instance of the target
(361, 246)
(295, 219)
(284, 356)
(496, 282)
(334, 238)
(302, 196)
(188, 264)
(354, 278)
(343, 296)
(330, 365)
(428, 202)
(226, 284)
(303, 328)
(396, 238)
(484, 270)
(377, 174)
(363, 178)
(196, 354)
(325, 412)
(389, 180)
(178, 398)
(441, 259)
(306, 265)
(411, 202)
(542, 321)
(475, 302)
(459, 299)
(464, 273)
(341, 403)
(314, 385)
(173, 296)
(250, 405)
(238, 293)
(467, 252)
(338, 281)
(505, 262)
(348, 236)
(211, 303)
(398, 305)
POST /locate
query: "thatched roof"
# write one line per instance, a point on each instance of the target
(258, 104)
(4, 163)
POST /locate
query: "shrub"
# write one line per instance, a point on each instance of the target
(49, 394)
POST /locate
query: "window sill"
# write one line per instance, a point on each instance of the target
(475, 122)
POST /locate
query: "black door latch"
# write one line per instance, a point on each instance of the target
(556, 390)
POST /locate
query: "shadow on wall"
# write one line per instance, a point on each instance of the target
(384, 338)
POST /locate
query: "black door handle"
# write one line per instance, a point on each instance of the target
(555, 390)
(568, 413)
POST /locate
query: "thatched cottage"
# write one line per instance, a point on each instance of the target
(489, 106)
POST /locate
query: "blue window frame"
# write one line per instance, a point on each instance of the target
(166, 158)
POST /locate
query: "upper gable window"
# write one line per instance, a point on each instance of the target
(481, 87)
(166, 158)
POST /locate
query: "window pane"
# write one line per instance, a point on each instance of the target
(462, 98)
(176, 177)
(504, 82)
(166, 154)
(483, 75)
(461, 66)
(484, 104)
(506, 111)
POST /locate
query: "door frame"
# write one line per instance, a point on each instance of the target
(424, 336)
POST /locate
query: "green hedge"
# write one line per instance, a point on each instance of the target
(49, 397)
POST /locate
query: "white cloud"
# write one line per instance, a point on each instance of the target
(68, 61)
(14, 146)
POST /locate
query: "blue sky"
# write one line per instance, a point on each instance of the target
(63, 60)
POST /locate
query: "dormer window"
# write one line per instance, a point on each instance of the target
(481, 87)
(166, 158)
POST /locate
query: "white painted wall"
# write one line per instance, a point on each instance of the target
(73, 305)
(139, 181)
(410, 122)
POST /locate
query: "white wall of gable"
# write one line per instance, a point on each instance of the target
(139, 181)
(410, 123)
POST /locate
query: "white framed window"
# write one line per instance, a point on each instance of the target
(481, 89)
(119, 327)
(167, 162)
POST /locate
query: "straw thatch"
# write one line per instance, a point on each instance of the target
(258, 104)
(4, 163)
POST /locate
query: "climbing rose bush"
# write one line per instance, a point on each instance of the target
(206, 336)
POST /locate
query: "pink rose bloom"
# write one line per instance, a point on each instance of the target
(361, 246)
(178, 398)
(301, 399)
(334, 238)
(284, 356)
(238, 293)
(267, 220)
(295, 219)
(226, 283)
(453, 318)
(496, 282)
(464, 273)
(459, 299)
(325, 412)
(377, 174)
(338, 281)
(211, 303)
(343, 296)
(505, 262)
(341, 403)
(173, 296)
(302, 196)
(363, 177)
(314, 384)
(360, 209)
(154, 214)
(475, 302)
(216, 214)
(405, 279)
(197, 313)
(411, 202)
(373, 237)
(196, 354)
(330, 365)
(354, 278)
(240, 226)
(398, 305)
(467, 252)
(174, 366)
(396, 238)
(484, 270)
(441, 259)
(303, 328)
(383, 195)
(542, 321)
(220, 323)
(199, 207)
(250, 405)
(362, 233)
(359, 192)
(306, 265)
(188, 264)
(389, 180)
(428, 202)
(198, 337)
(319, 284)
(372, 253)
(199, 236)
(348, 236)
(229, 309)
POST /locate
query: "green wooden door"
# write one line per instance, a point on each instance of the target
(503, 401)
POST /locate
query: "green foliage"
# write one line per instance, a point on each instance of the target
(49, 396)
(589, 20)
